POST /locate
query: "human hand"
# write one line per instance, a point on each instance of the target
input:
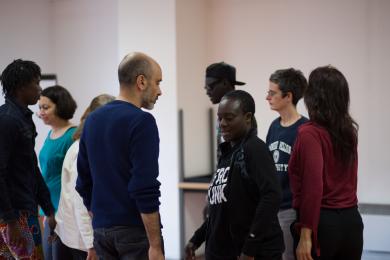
(92, 254)
(52, 237)
(14, 234)
(52, 223)
(155, 253)
(304, 249)
(189, 251)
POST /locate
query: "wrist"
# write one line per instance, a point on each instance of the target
(156, 247)
(191, 245)
(306, 233)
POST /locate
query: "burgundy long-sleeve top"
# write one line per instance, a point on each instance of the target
(318, 179)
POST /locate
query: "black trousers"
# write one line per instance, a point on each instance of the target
(340, 234)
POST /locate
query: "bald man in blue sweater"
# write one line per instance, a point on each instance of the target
(118, 166)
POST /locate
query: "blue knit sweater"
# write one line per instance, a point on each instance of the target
(118, 165)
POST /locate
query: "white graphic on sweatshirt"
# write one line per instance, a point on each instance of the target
(216, 191)
(275, 149)
(276, 156)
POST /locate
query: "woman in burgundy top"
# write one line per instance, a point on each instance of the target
(323, 173)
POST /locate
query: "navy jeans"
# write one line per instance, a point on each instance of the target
(121, 242)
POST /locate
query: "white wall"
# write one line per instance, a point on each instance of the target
(79, 41)
(75, 39)
(83, 40)
(25, 33)
(149, 27)
(376, 232)
(191, 26)
(373, 96)
(85, 44)
(259, 37)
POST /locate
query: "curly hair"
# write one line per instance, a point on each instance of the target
(17, 74)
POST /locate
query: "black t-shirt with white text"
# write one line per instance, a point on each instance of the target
(218, 221)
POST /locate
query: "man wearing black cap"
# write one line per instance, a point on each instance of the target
(220, 79)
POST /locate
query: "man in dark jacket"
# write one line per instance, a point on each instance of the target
(22, 187)
(220, 79)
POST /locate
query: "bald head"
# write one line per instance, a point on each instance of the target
(133, 65)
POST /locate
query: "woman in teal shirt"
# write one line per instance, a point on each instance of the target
(56, 108)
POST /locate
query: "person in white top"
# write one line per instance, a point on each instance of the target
(73, 220)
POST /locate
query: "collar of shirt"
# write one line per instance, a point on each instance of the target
(24, 110)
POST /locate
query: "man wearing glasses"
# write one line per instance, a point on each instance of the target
(286, 87)
(220, 79)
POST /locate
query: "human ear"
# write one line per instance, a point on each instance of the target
(289, 95)
(141, 82)
(227, 84)
(248, 117)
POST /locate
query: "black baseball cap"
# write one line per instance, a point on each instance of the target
(222, 70)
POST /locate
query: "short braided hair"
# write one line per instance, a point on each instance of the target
(18, 74)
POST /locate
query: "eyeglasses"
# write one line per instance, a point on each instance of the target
(271, 93)
(210, 86)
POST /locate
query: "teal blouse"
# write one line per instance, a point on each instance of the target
(51, 158)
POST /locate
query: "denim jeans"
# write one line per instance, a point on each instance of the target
(121, 242)
(55, 250)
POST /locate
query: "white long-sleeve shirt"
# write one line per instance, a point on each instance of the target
(74, 225)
